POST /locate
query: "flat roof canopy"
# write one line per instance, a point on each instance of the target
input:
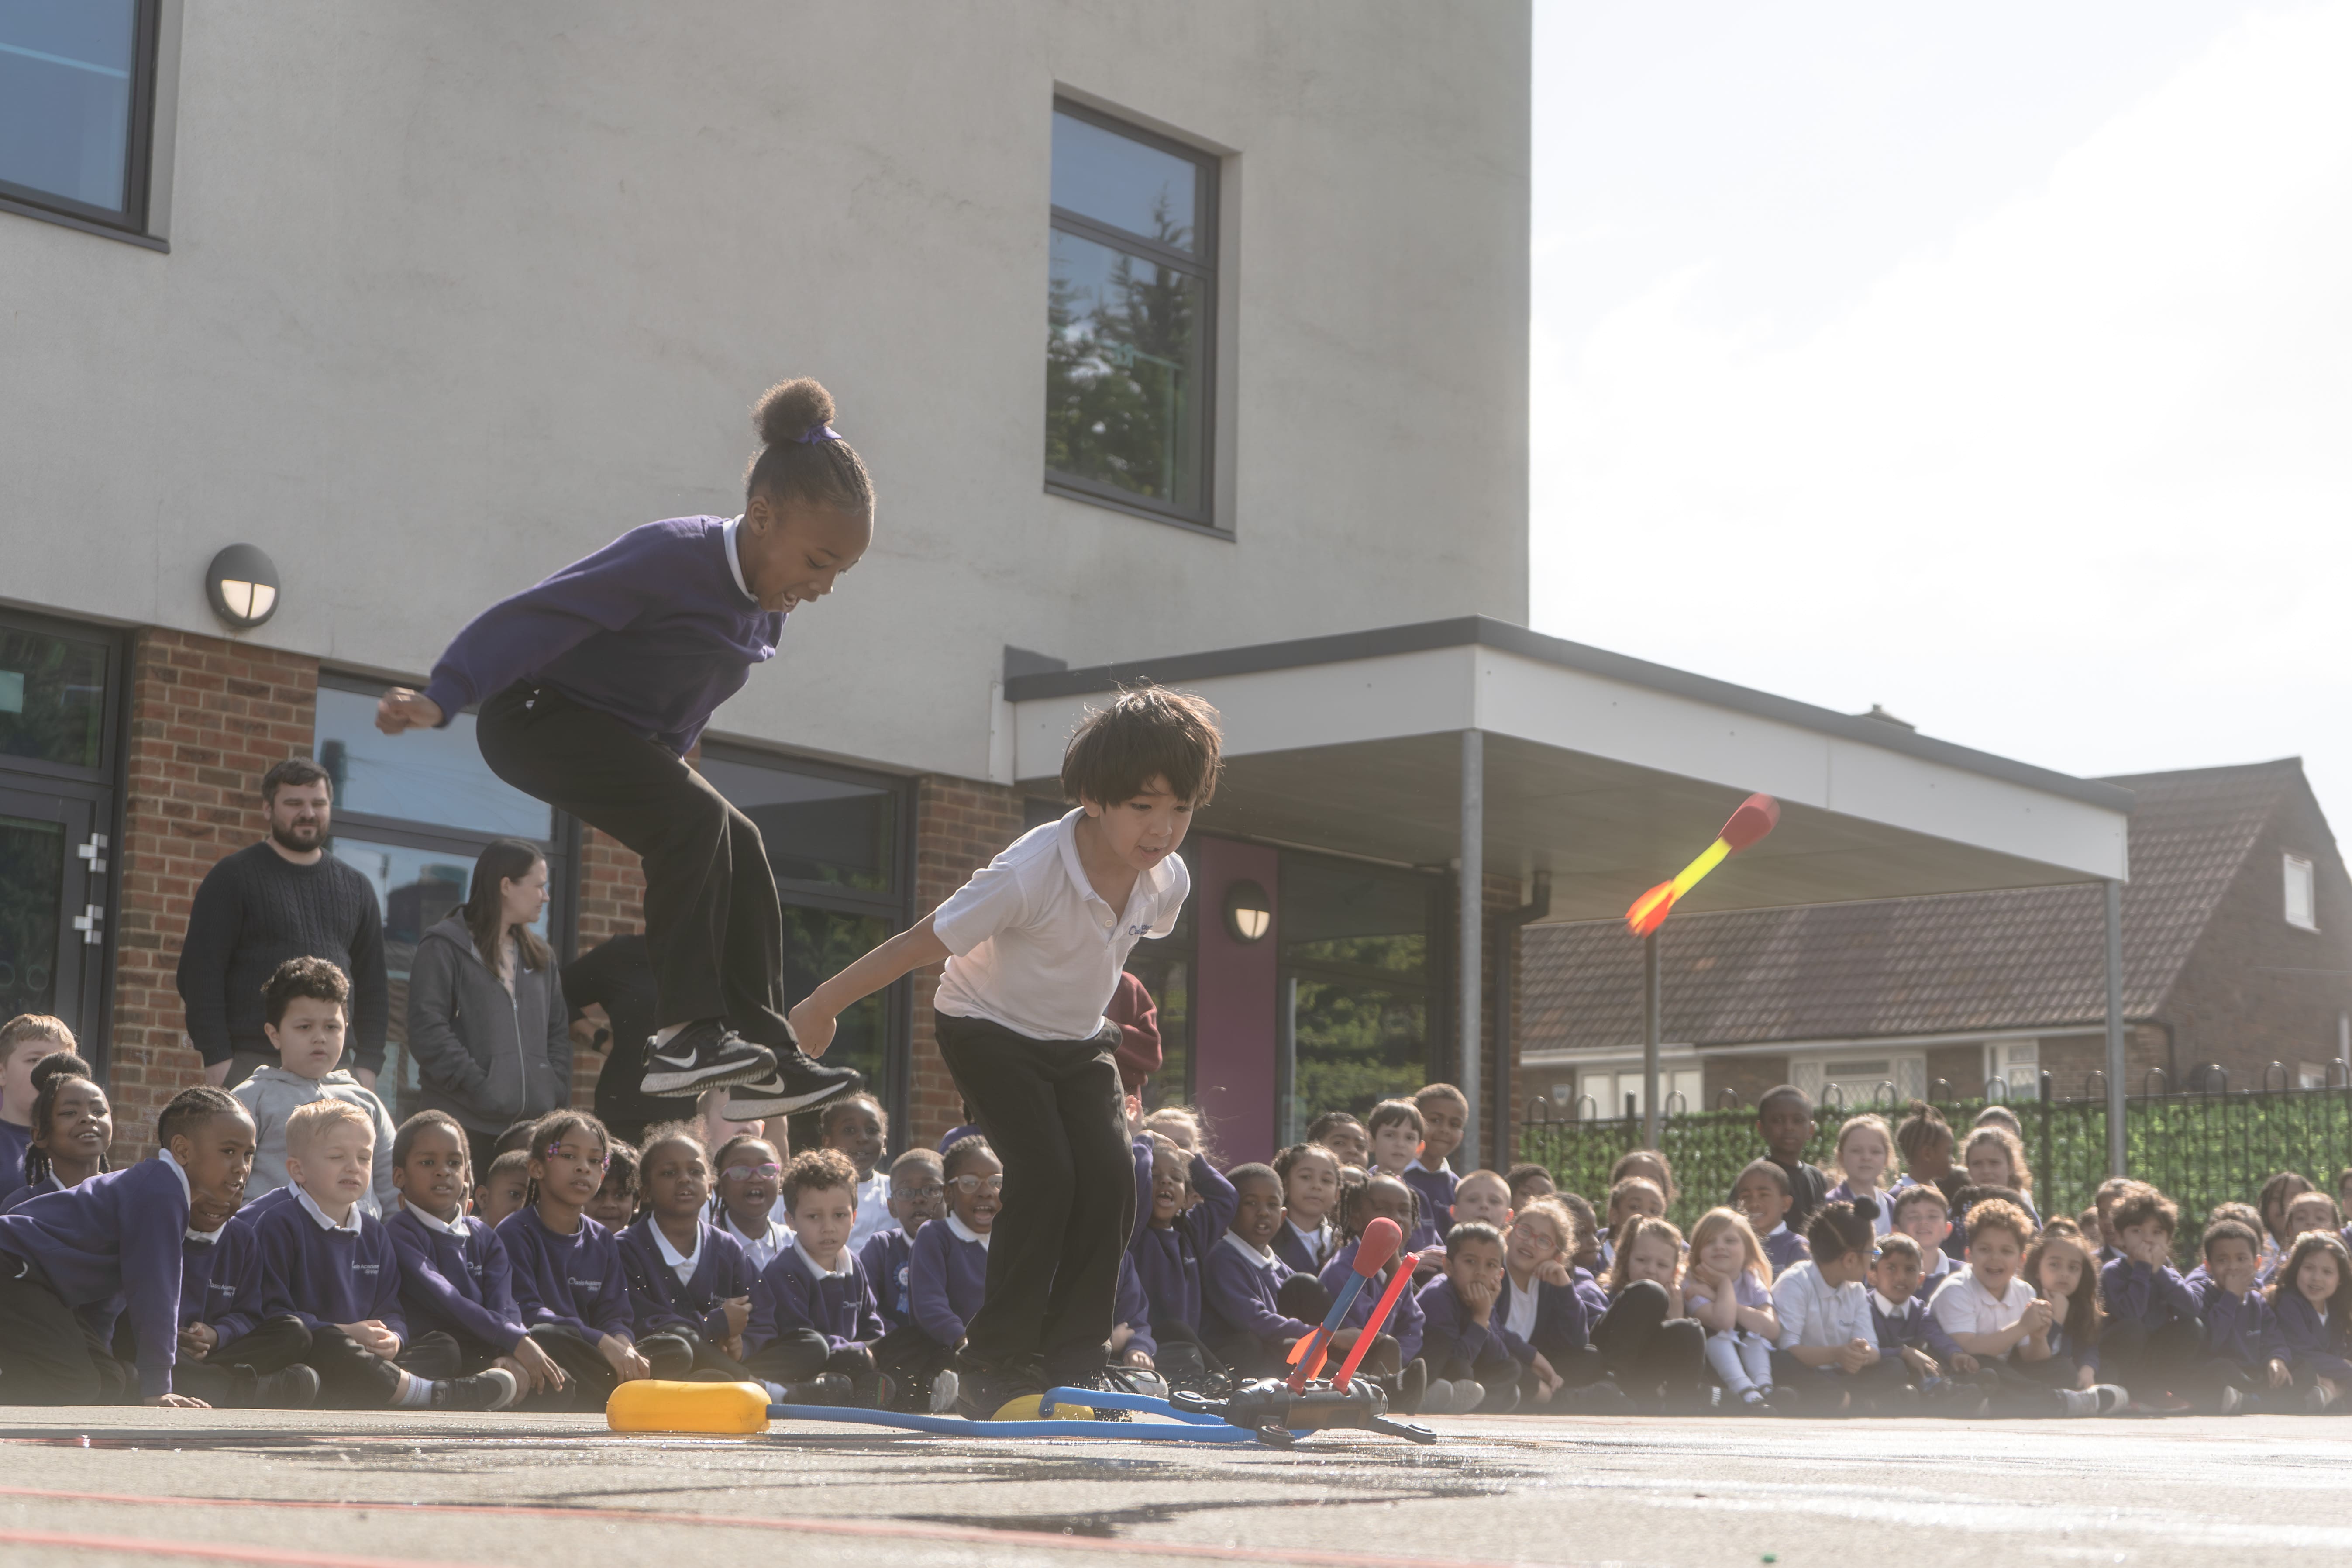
(1609, 773)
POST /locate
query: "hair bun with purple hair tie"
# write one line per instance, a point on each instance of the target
(816, 433)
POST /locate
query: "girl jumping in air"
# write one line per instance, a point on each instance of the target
(593, 686)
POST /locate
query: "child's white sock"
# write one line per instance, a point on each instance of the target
(662, 1036)
(414, 1394)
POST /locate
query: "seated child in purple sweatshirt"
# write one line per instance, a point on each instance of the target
(946, 1278)
(1168, 1249)
(1244, 1285)
(1382, 1197)
(2153, 1332)
(72, 1263)
(814, 1323)
(687, 1280)
(1762, 1193)
(2244, 1365)
(454, 1274)
(2311, 1302)
(73, 1130)
(328, 1261)
(1397, 1130)
(230, 1356)
(1310, 1192)
(1444, 1115)
(566, 1269)
(1468, 1345)
(919, 1189)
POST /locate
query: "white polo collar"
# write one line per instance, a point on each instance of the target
(351, 1226)
(1891, 1309)
(671, 1255)
(1259, 1256)
(735, 561)
(1152, 883)
(447, 1227)
(965, 1233)
(839, 1271)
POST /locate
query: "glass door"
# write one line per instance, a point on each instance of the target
(53, 914)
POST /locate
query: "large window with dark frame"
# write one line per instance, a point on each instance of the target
(1362, 982)
(1130, 308)
(840, 843)
(76, 97)
(413, 813)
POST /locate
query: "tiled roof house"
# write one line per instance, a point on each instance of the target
(2237, 926)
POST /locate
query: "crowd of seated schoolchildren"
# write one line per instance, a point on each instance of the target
(286, 1246)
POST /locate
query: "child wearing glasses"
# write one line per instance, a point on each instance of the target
(919, 1194)
(751, 1178)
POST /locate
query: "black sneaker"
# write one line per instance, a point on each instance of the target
(824, 1388)
(295, 1388)
(492, 1390)
(985, 1391)
(799, 1082)
(705, 1055)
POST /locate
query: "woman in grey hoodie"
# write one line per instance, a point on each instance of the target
(487, 1022)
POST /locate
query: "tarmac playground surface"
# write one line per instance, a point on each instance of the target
(107, 1486)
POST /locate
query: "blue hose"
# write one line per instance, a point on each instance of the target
(1180, 1431)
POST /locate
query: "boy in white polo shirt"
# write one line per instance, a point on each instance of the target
(1034, 946)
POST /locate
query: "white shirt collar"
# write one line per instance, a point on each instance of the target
(1891, 1309)
(1780, 1229)
(963, 1232)
(671, 1255)
(351, 1226)
(735, 561)
(1152, 882)
(174, 1166)
(777, 1235)
(204, 1237)
(840, 1270)
(1444, 1167)
(455, 1227)
(1259, 1256)
(1316, 1235)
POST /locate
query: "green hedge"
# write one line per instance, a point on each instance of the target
(2200, 1148)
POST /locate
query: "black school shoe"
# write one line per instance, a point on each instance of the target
(706, 1054)
(294, 1388)
(983, 1390)
(797, 1082)
(492, 1390)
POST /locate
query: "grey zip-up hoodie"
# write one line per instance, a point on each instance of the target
(488, 1058)
(273, 1094)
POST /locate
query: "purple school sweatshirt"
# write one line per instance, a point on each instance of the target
(2237, 1329)
(947, 1280)
(1404, 1323)
(658, 1299)
(220, 1283)
(1237, 1297)
(323, 1276)
(1134, 1310)
(2152, 1298)
(1169, 1261)
(109, 1246)
(789, 1295)
(571, 1282)
(1448, 1330)
(1436, 1189)
(2307, 1344)
(463, 1287)
(888, 1258)
(650, 629)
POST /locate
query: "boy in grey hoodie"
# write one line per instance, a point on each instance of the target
(305, 1009)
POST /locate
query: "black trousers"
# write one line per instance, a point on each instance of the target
(1646, 1352)
(1056, 1115)
(46, 1356)
(590, 1378)
(1828, 1389)
(714, 926)
(801, 1354)
(352, 1377)
(225, 1377)
(2170, 1358)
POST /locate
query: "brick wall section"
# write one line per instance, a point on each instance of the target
(959, 827)
(208, 717)
(611, 903)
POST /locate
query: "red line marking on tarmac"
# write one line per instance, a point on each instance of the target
(146, 1546)
(856, 1527)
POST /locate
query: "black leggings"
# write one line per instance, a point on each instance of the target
(589, 1378)
(1056, 1115)
(226, 1377)
(714, 926)
(1649, 1353)
(46, 1355)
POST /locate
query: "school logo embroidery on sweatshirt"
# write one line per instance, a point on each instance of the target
(584, 1286)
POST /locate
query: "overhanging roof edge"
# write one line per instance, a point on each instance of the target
(1481, 630)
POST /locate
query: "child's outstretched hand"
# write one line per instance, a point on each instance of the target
(1546, 1380)
(176, 1402)
(812, 1026)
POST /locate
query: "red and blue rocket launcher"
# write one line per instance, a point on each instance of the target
(1274, 1411)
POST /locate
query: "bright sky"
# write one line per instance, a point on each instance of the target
(1993, 363)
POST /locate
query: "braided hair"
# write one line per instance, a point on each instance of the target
(49, 1074)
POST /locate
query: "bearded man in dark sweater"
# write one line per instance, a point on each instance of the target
(283, 898)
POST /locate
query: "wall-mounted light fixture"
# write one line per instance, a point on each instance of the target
(1249, 913)
(242, 584)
